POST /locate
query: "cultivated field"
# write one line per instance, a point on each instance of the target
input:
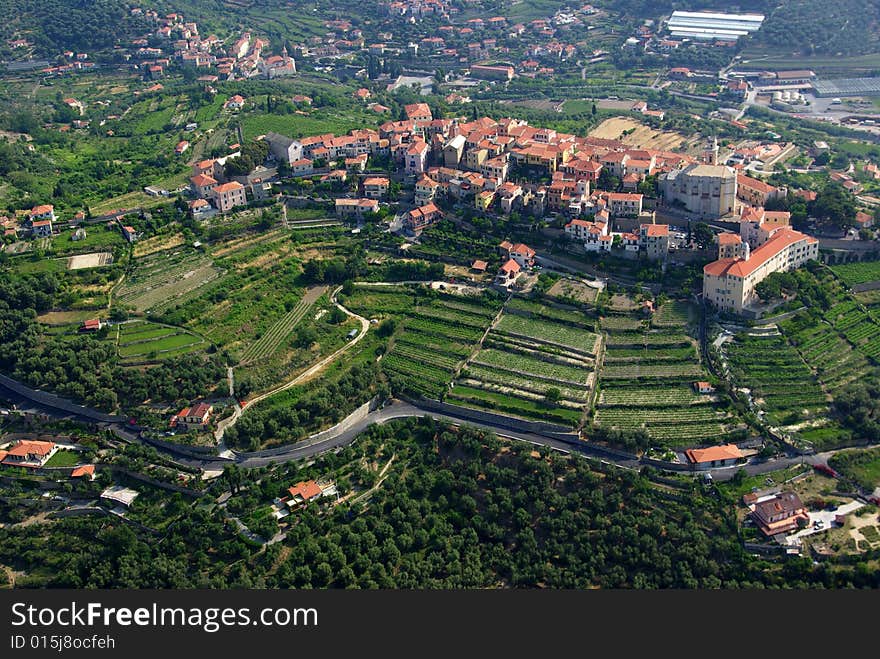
(638, 134)
(780, 382)
(164, 279)
(93, 260)
(858, 273)
(538, 362)
(269, 342)
(646, 381)
(142, 341)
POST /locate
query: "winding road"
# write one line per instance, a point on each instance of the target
(305, 376)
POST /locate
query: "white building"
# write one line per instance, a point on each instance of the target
(729, 283)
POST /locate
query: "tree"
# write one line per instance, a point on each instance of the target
(703, 235)
(553, 395)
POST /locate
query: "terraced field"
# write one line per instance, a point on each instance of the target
(646, 381)
(858, 273)
(538, 362)
(281, 330)
(780, 382)
(143, 341)
(163, 279)
(437, 336)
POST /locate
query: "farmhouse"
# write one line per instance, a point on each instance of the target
(28, 453)
(302, 493)
(91, 325)
(522, 254)
(129, 234)
(779, 514)
(714, 456)
(507, 273)
(195, 416)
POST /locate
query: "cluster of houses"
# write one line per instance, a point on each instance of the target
(472, 162)
(474, 44)
(41, 222)
(179, 40)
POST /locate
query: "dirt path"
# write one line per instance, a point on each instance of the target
(307, 375)
(382, 476)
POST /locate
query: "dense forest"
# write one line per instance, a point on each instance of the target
(812, 27)
(84, 368)
(54, 26)
(458, 509)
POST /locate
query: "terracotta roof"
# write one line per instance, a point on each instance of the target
(306, 489)
(42, 210)
(31, 447)
(228, 187)
(479, 265)
(522, 248)
(729, 239)
(725, 452)
(656, 230)
(754, 184)
(782, 238)
(511, 267)
(201, 180)
(85, 470)
(376, 180)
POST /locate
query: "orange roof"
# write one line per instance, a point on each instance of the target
(511, 266)
(479, 265)
(306, 489)
(729, 239)
(656, 230)
(754, 184)
(725, 452)
(522, 248)
(376, 180)
(85, 470)
(228, 187)
(42, 210)
(29, 447)
(739, 267)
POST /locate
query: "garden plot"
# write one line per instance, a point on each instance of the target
(93, 260)
(141, 342)
(574, 290)
(165, 279)
(278, 333)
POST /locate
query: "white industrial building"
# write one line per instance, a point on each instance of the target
(712, 26)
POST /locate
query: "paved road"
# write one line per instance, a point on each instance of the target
(399, 409)
(305, 376)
